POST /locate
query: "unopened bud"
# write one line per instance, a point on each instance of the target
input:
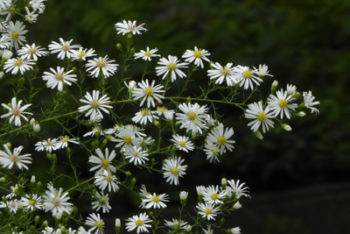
(36, 219)
(259, 135)
(235, 230)
(286, 127)
(117, 222)
(301, 114)
(223, 182)
(32, 179)
(2, 179)
(58, 216)
(237, 206)
(274, 86)
(188, 228)
(1, 75)
(36, 127)
(7, 54)
(119, 46)
(296, 95)
(183, 196)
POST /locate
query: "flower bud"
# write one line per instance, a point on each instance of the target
(296, 95)
(36, 219)
(36, 127)
(1, 75)
(7, 54)
(117, 225)
(235, 230)
(32, 179)
(2, 179)
(188, 228)
(119, 46)
(259, 135)
(237, 206)
(274, 86)
(223, 182)
(301, 114)
(286, 127)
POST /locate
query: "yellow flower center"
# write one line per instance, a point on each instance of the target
(18, 62)
(100, 224)
(214, 196)
(261, 116)
(65, 47)
(208, 211)
(127, 140)
(182, 143)
(32, 50)
(31, 202)
(247, 74)
(108, 178)
(144, 112)
(94, 104)
(59, 76)
(171, 66)
(16, 111)
(225, 72)
(105, 163)
(214, 150)
(282, 103)
(198, 54)
(65, 139)
(15, 35)
(191, 115)
(222, 140)
(149, 91)
(161, 109)
(174, 170)
(155, 199)
(101, 63)
(148, 54)
(139, 222)
(82, 54)
(102, 201)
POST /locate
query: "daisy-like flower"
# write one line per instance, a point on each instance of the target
(48, 145)
(82, 54)
(222, 74)
(281, 104)
(139, 222)
(126, 27)
(238, 189)
(212, 152)
(155, 201)
(101, 202)
(182, 143)
(8, 159)
(105, 180)
(96, 130)
(30, 16)
(262, 71)
(168, 114)
(236, 230)
(208, 230)
(38, 5)
(103, 66)
(259, 117)
(212, 194)
(220, 136)
(246, 77)
(148, 93)
(136, 155)
(58, 78)
(176, 224)
(56, 201)
(103, 161)
(144, 116)
(16, 31)
(16, 111)
(173, 170)
(94, 105)
(193, 117)
(171, 65)
(95, 223)
(5, 4)
(291, 89)
(207, 210)
(146, 54)
(309, 102)
(128, 136)
(62, 141)
(31, 52)
(5, 42)
(197, 56)
(15, 65)
(63, 48)
(32, 202)
(13, 205)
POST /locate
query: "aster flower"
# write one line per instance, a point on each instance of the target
(15, 65)
(259, 117)
(147, 54)
(16, 111)
(212, 152)
(8, 159)
(246, 77)
(212, 195)
(236, 230)
(5, 42)
(94, 105)
(207, 210)
(13, 205)
(281, 104)
(148, 92)
(16, 31)
(182, 143)
(96, 223)
(32, 202)
(176, 224)
(56, 201)
(222, 74)
(38, 5)
(238, 189)
(208, 230)
(63, 48)
(171, 65)
(291, 89)
(101, 66)
(101, 202)
(196, 56)
(5, 4)
(30, 16)
(136, 155)
(32, 51)
(102, 161)
(48, 145)
(162, 111)
(126, 27)
(173, 170)
(82, 54)
(62, 141)
(96, 130)
(105, 180)
(59, 78)
(309, 102)
(127, 136)
(139, 222)
(220, 136)
(155, 201)
(262, 71)
(144, 116)
(193, 117)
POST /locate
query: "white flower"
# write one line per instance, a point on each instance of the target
(168, 114)
(5, 42)
(238, 189)
(101, 202)
(281, 104)
(176, 224)
(171, 65)
(96, 223)
(212, 152)
(5, 4)
(220, 136)
(136, 155)
(208, 230)
(310, 103)
(16, 111)
(155, 201)
(246, 77)
(173, 170)
(15, 65)
(139, 222)
(127, 136)
(146, 54)
(9, 159)
(236, 230)
(104, 179)
(16, 31)
(102, 161)
(259, 116)
(38, 5)
(94, 105)
(95, 130)
(64, 140)
(48, 145)
(144, 116)
(212, 194)
(196, 56)
(32, 202)
(6, 54)
(82, 54)
(207, 210)
(182, 143)
(223, 73)
(101, 66)
(57, 201)
(31, 52)
(126, 27)
(148, 92)
(58, 78)
(30, 16)
(64, 48)
(291, 89)
(193, 117)
(13, 205)
(262, 71)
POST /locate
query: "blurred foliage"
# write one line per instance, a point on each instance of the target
(305, 42)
